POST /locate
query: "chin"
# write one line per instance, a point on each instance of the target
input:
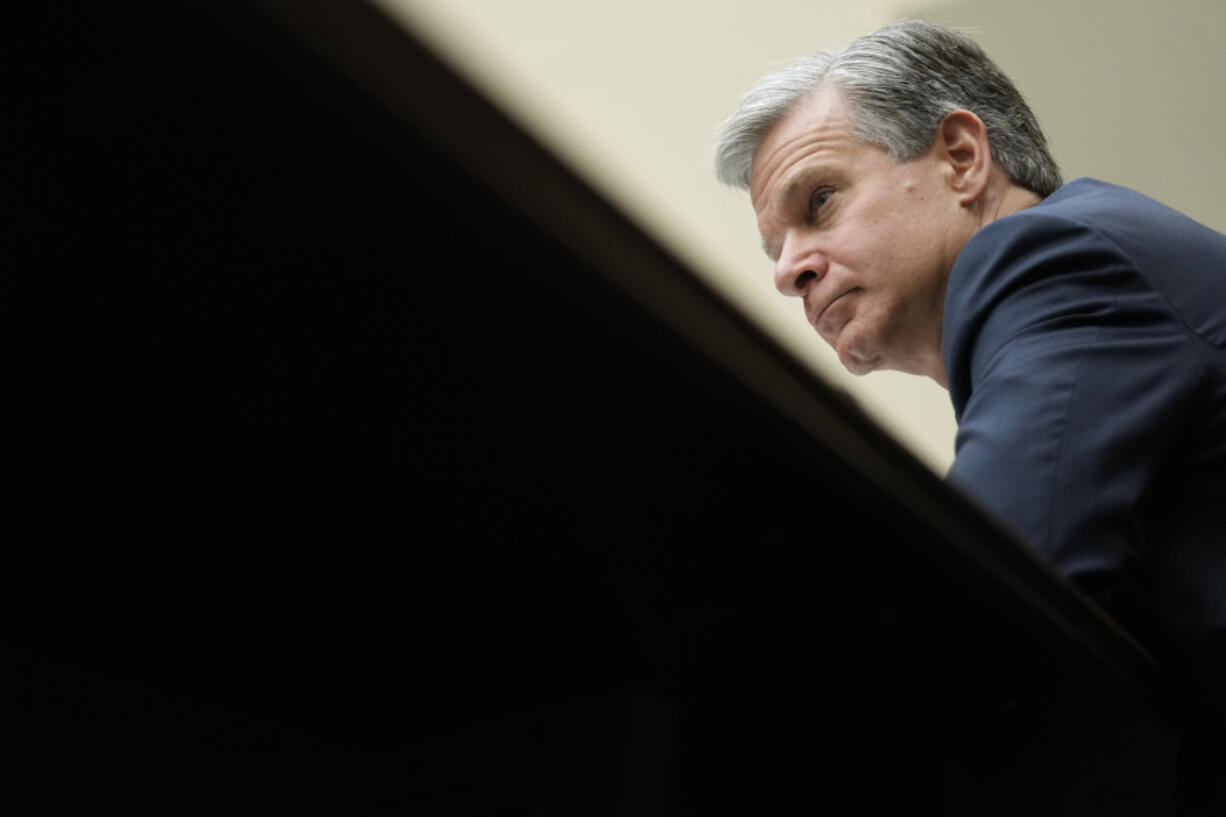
(856, 360)
(859, 369)
(858, 365)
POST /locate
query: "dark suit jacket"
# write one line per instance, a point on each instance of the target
(1085, 344)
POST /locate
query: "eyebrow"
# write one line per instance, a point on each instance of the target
(803, 179)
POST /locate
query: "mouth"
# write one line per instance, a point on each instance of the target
(816, 319)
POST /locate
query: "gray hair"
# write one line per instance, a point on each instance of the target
(900, 81)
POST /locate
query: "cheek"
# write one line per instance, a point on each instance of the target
(880, 321)
(904, 245)
(880, 247)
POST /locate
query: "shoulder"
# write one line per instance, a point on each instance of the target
(1090, 255)
(1035, 265)
(1093, 233)
(1062, 233)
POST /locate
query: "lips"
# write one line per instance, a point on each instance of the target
(822, 321)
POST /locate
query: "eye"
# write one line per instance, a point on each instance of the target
(818, 200)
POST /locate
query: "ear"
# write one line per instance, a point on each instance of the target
(962, 147)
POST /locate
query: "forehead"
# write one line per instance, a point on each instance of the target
(818, 127)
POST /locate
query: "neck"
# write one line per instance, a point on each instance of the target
(1004, 198)
(1000, 198)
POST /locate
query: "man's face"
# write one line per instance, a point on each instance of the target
(867, 242)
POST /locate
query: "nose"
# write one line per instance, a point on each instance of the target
(797, 270)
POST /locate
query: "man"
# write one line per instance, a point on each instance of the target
(907, 197)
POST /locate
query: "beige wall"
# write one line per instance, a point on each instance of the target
(631, 94)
